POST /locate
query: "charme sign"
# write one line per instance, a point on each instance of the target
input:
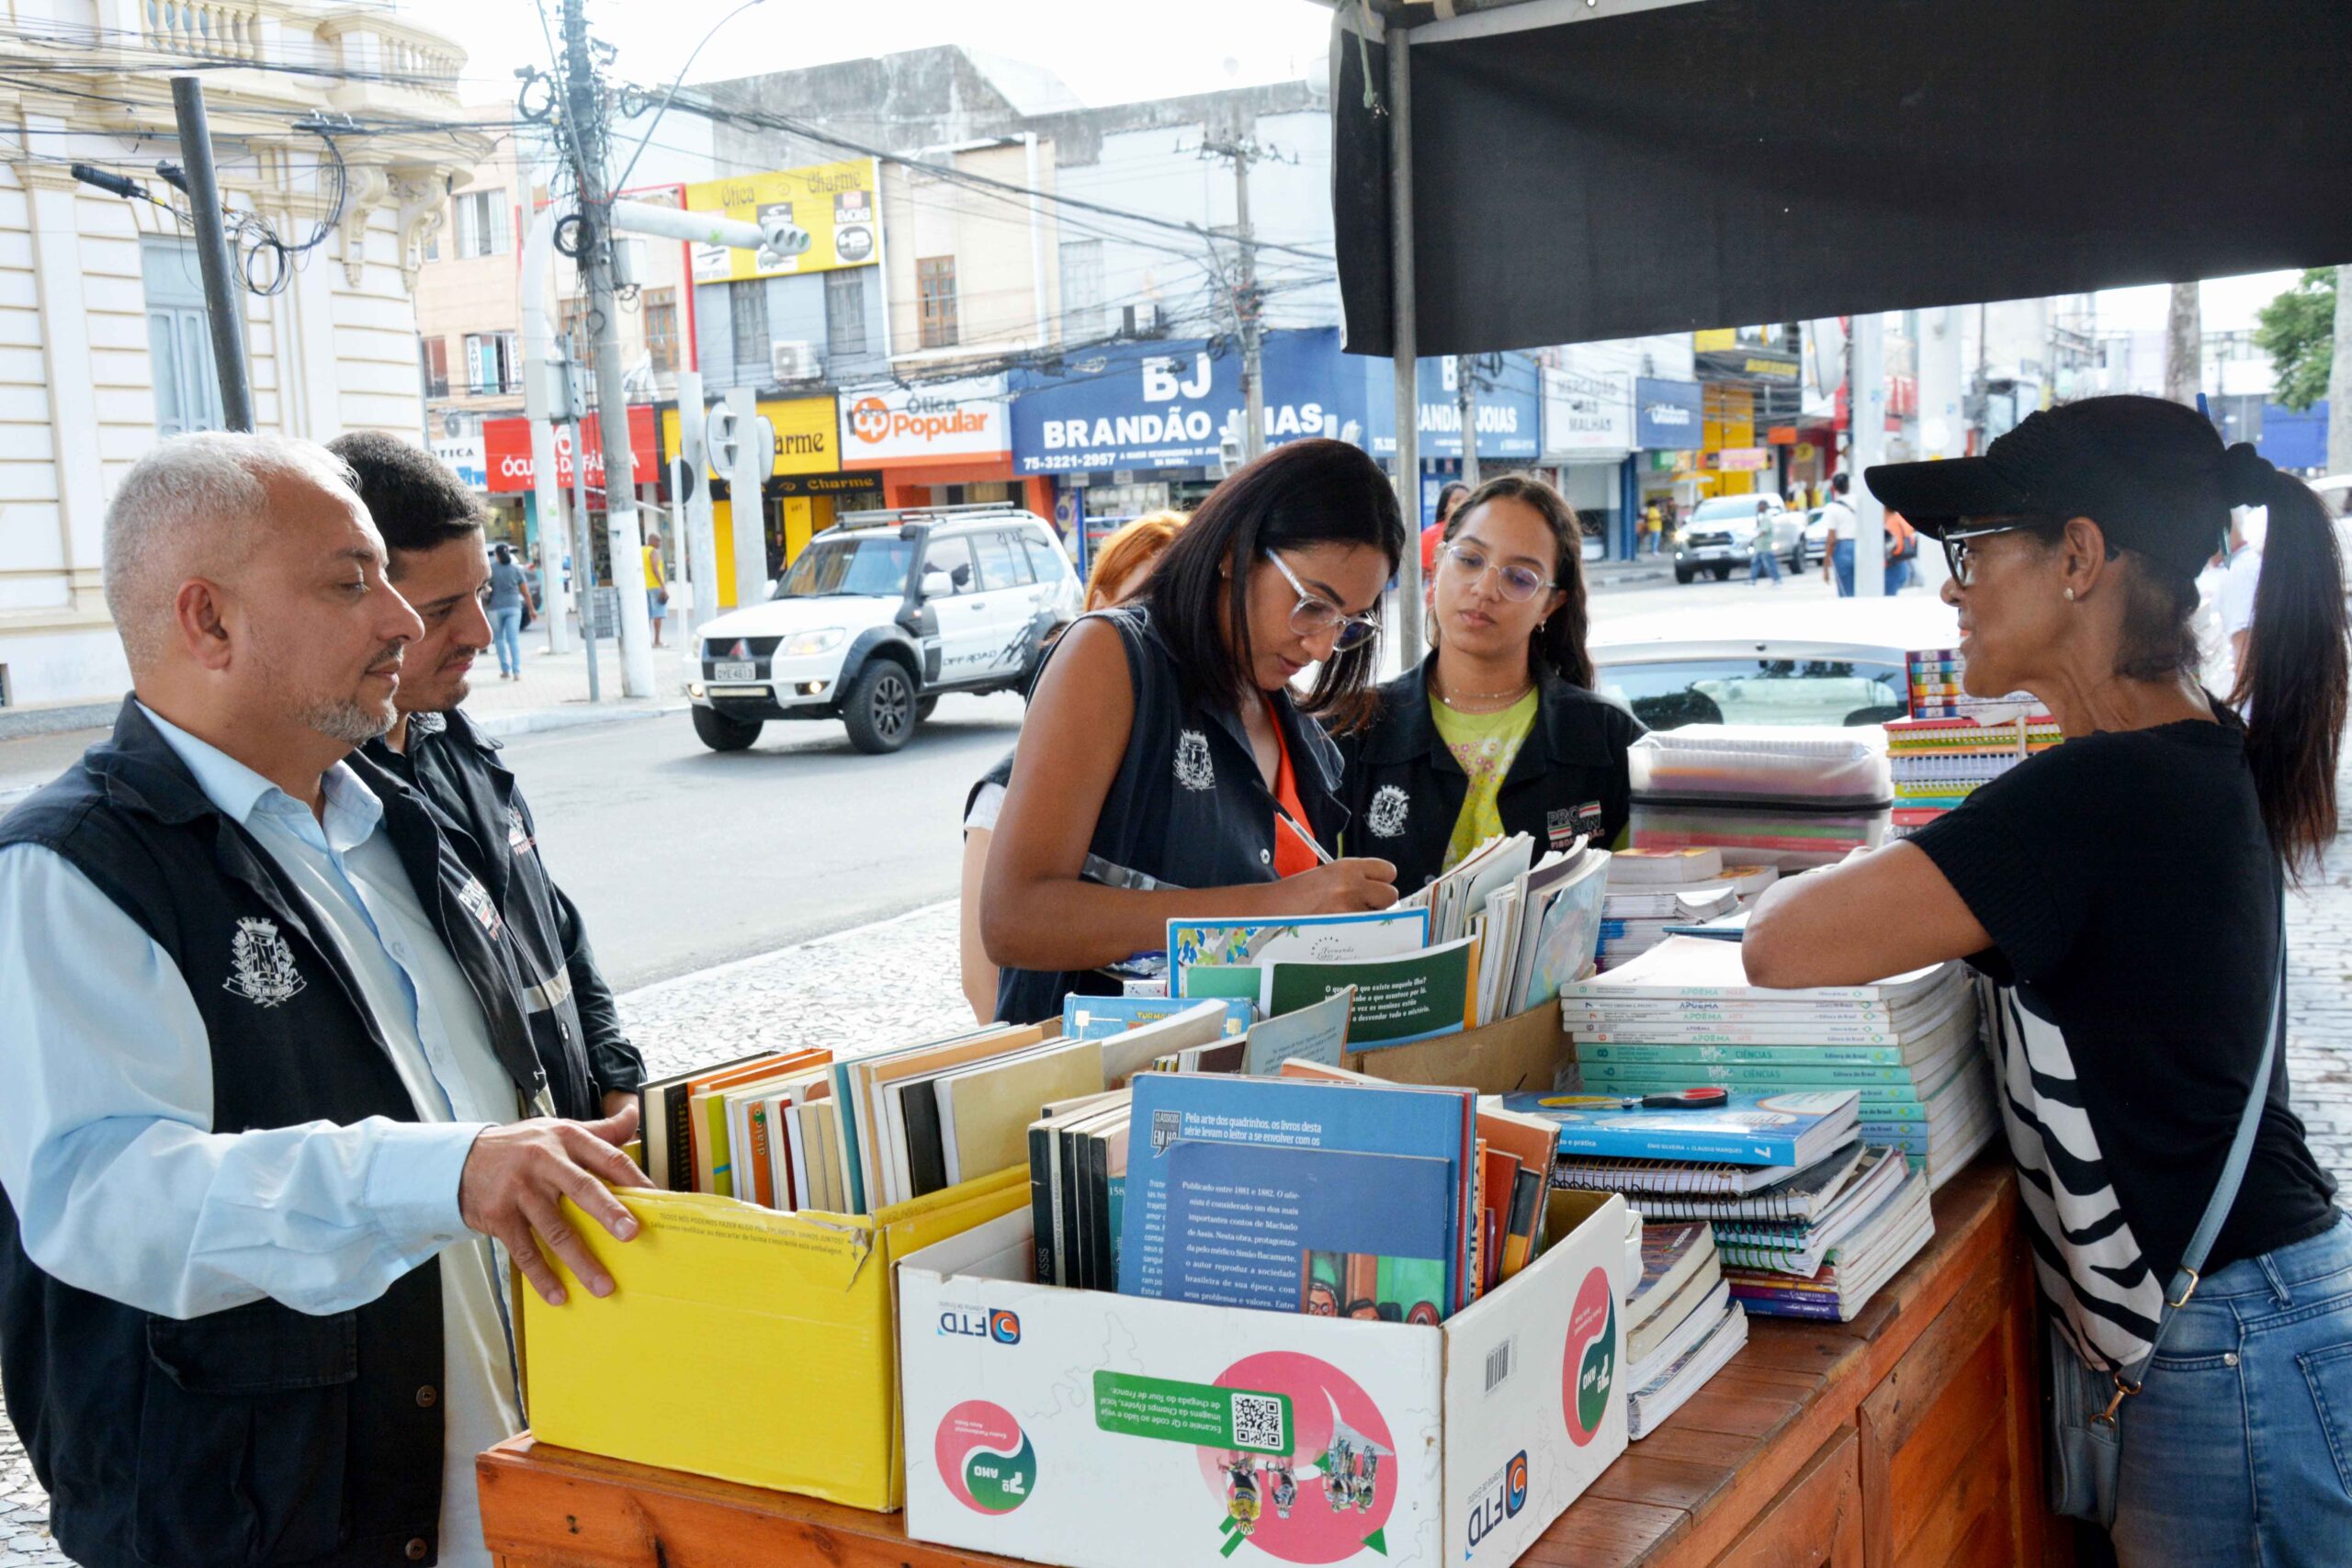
(887, 425)
(506, 445)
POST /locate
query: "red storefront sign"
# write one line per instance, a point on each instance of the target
(506, 445)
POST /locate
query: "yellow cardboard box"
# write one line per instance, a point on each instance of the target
(742, 1343)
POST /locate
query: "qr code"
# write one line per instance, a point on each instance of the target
(1258, 1423)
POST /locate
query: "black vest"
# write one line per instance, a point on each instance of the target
(1189, 807)
(1404, 790)
(258, 1435)
(575, 1023)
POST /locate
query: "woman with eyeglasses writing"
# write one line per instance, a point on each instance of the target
(1165, 769)
(2124, 892)
(1498, 731)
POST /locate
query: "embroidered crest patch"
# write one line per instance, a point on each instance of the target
(1195, 770)
(475, 898)
(261, 965)
(1385, 815)
(518, 838)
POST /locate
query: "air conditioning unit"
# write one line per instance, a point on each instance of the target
(1141, 321)
(795, 361)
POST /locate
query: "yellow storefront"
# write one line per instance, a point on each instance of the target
(805, 494)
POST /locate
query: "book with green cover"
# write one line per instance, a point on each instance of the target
(1415, 996)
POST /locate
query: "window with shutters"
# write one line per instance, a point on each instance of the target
(493, 363)
(660, 316)
(935, 288)
(480, 222)
(747, 315)
(179, 337)
(1083, 317)
(845, 314)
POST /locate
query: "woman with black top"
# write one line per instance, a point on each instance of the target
(1498, 731)
(1164, 769)
(2123, 892)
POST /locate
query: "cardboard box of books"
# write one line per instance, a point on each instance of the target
(1102, 1431)
(729, 1324)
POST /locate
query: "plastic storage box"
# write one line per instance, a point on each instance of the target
(1792, 797)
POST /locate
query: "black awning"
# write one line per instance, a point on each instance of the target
(1719, 163)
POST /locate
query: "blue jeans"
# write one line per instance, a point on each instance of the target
(2239, 1448)
(506, 636)
(1841, 559)
(1761, 559)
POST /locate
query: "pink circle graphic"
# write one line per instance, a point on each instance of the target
(1588, 1366)
(1337, 1485)
(985, 1458)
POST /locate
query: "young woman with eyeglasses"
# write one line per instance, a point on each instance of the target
(1165, 769)
(1498, 731)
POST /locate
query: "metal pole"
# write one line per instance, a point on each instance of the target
(1867, 399)
(212, 251)
(696, 525)
(623, 528)
(1465, 408)
(1253, 374)
(544, 379)
(1403, 346)
(583, 541)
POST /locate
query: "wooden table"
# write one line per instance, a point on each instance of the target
(1909, 1437)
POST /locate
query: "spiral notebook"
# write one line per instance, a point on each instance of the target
(1665, 1190)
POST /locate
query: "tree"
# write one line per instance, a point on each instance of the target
(2184, 345)
(2298, 331)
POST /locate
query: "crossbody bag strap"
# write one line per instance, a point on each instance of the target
(2225, 1192)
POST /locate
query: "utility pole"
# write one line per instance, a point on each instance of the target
(1866, 402)
(584, 122)
(212, 253)
(1466, 405)
(1404, 341)
(1247, 306)
(2339, 379)
(582, 545)
(2184, 346)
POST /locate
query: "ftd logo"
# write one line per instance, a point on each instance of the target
(981, 1323)
(1500, 1498)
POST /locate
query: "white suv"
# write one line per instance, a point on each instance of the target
(880, 616)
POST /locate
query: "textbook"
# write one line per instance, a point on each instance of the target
(1414, 995)
(1644, 1180)
(1864, 1259)
(1316, 1032)
(1648, 1407)
(665, 1121)
(1671, 1255)
(1802, 1247)
(1686, 967)
(1171, 1111)
(1794, 1128)
(1047, 1193)
(1651, 868)
(1798, 1196)
(1091, 1017)
(1257, 941)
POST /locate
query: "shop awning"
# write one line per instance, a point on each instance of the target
(1594, 169)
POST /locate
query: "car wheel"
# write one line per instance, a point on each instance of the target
(1683, 574)
(720, 733)
(1722, 574)
(926, 706)
(880, 708)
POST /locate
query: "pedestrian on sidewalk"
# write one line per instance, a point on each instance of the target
(1837, 549)
(1653, 529)
(657, 587)
(1763, 557)
(2241, 572)
(1498, 731)
(2139, 964)
(1902, 549)
(510, 592)
(259, 1105)
(432, 528)
(1122, 570)
(1433, 535)
(1164, 751)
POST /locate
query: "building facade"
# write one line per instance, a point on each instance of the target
(105, 347)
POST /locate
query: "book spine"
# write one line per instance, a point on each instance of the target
(1098, 1197)
(1074, 1260)
(1745, 1149)
(1846, 1056)
(680, 1120)
(1645, 1076)
(1041, 1200)
(926, 1162)
(1768, 1258)
(1788, 1304)
(1744, 1035)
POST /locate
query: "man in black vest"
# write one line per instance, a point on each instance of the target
(433, 527)
(263, 1097)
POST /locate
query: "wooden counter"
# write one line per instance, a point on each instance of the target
(1910, 1437)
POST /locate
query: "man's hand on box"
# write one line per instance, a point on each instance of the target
(516, 1176)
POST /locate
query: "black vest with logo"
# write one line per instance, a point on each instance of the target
(574, 1022)
(1404, 788)
(258, 1434)
(1189, 807)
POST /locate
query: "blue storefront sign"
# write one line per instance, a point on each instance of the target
(1667, 416)
(1149, 406)
(1509, 398)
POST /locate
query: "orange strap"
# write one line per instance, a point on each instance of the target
(1291, 856)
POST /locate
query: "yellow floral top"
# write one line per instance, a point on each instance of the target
(1484, 744)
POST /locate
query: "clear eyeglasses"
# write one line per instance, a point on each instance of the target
(1315, 615)
(1518, 583)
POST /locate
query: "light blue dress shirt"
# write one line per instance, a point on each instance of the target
(122, 1187)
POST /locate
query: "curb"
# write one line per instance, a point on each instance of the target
(535, 721)
(56, 720)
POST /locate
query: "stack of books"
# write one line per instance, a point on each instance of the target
(1938, 690)
(1651, 890)
(1682, 1323)
(1939, 762)
(1683, 1014)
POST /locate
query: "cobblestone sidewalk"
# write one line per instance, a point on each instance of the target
(884, 984)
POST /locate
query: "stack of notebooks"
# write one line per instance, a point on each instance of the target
(1939, 762)
(1791, 796)
(1653, 890)
(1498, 935)
(1682, 1322)
(1938, 690)
(1683, 1014)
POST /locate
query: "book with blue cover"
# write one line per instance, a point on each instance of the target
(1255, 942)
(1093, 1017)
(1174, 1111)
(1792, 1129)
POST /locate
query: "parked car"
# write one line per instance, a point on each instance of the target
(1721, 533)
(880, 617)
(1813, 544)
(1773, 661)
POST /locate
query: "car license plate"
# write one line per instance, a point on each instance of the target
(735, 670)
(1706, 552)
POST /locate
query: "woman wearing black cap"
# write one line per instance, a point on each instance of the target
(2123, 892)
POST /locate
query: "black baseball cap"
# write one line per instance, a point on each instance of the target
(2152, 474)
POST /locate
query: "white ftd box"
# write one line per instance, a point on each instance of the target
(1098, 1430)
